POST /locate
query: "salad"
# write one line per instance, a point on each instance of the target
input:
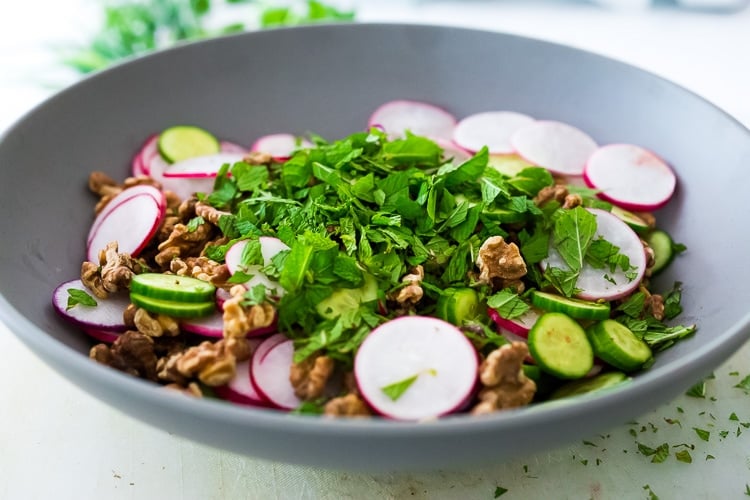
(423, 267)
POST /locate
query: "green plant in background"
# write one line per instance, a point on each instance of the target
(134, 27)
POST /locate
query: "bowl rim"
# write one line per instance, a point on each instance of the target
(705, 356)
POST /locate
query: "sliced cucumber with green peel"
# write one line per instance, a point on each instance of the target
(456, 305)
(348, 299)
(575, 308)
(560, 347)
(663, 246)
(593, 384)
(636, 223)
(186, 141)
(172, 287)
(616, 345)
(173, 308)
(510, 165)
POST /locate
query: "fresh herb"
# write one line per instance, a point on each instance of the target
(744, 384)
(76, 297)
(500, 491)
(655, 333)
(702, 433)
(309, 408)
(507, 304)
(657, 455)
(651, 494)
(672, 306)
(397, 389)
(697, 390)
(194, 223)
(747, 490)
(316, 12)
(684, 456)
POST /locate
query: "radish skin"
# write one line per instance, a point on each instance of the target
(436, 352)
(231, 147)
(240, 389)
(492, 129)
(519, 326)
(270, 375)
(630, 176)
(106, 336)
(556, 146)
(122, 197)
(420, 118)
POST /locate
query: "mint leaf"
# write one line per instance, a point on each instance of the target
(508, 304)
(413, 150)
(698, 390)
(563, 280)
(633, 306)
(395, 390)
(672, 306)
(601, 253)
(470, 170)
(76, 297)
(534, 248)
(346, 268)
(531, 180)
(572, 234)
(250, 177)
(744, 384)
(295, 267)
(684, 456)
(702, 433)
(500, 491)
(194, 223)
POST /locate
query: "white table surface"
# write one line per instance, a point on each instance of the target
(58, 442)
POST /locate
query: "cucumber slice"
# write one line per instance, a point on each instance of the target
(560, 347)
(583, 386)
(636, 223)
(663, 246)
(347, 299)
(575, 308)
(616, 345)
(185, 141)
(172, 287)
(457, 305)
(173, 308)
(509, 165)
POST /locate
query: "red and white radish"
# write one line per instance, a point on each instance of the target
(102, 335)
(106, 315)
(596, 284)
(240, 389)
(231, 147)
(433, 358)
(270, 374)
(148, 148)
(419, 118)
(269, 247)
(201, 166)
(280, 146)
(183, 188)
(520, 325)
(453, 152)
(213, 326)
(131, 223)
(556, 146)
(630, 177)
(221, 297)
(491, 128)
(120, 198)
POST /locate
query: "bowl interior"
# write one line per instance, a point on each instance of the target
(328, 80)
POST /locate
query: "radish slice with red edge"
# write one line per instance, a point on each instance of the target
(182, 187)
(419, 118)
(492, 129)
(230, 147)
(415, 368)
(201, 166)
(106, 315)
(280, 146)
(518, 326)
(221, 297)
(213, 326)
(556, 146)
(131, 224)
(596, 284)
(269, 247)
(137, 164)
(147, 153)
(452, 151)
(270, 375)
(240, 389)
(102, 335)
(630, 176)
(120, 198)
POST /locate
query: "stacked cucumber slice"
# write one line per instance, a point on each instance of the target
(176, 296)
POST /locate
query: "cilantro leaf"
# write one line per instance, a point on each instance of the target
(76, 297)
(508, 304)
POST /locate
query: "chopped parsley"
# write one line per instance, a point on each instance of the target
(702, 433)
(76, 297)
(744, 384)
(397, 389)
(500, 491)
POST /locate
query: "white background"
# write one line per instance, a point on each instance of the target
(56, 441)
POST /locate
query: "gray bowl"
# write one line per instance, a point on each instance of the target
(328, 79)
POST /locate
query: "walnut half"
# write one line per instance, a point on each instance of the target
(505, 384)
(499, 260)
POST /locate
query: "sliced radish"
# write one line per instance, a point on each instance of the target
(269, 247)
(270, 375)
(184, 188)
(280, 146)
(230, 147)
(131, 224)
(147, 153)
(432, 356)
(208, 326)
(452, 151)
(598, 284)
(630, 177)
(221, 297)
(106, 315)
(102, 335)
(137, 164)
(556, 146)
(419, 118)
(240, 389)
(123, 196)
(201, 166)
(492, 129)
(520, 325)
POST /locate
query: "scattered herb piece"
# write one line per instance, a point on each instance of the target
(76, 297)
(397, 389)
(507, 304)
(744, 384)
(194, 223)
(684, 456)
(698, 390)
(710, 457)
(500, 491)
(747, 489)
(657, 455)
(651, 494)
(702, 433)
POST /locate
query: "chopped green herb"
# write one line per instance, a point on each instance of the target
(76, 297)
(698, 390)
(747, 490)
(507, 304)
(589, 443)
(194, 223)
(500, 491)
(397, 389)
(684, 456)
(657, 455)
(702, 433)
(672, 306)
(651, 494)
(723, 434)
(710, 457)
(744, 384)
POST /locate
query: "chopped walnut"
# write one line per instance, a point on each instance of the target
(412, 292)
(192, 389)
(107, 188)
(201, 268)
(213, 363)
(572, 201)
(258, 158)
(650, 258)
(173, 201)
(209, 213)
(350, 405)
(183, 242)
(128, 316)
(239, 319)
(500, 260)
(654, 304)
(132, 352)
(556, 192)
(155, 325)
(186, 209)
(309, 377)
(112, 274)
(505, 384)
